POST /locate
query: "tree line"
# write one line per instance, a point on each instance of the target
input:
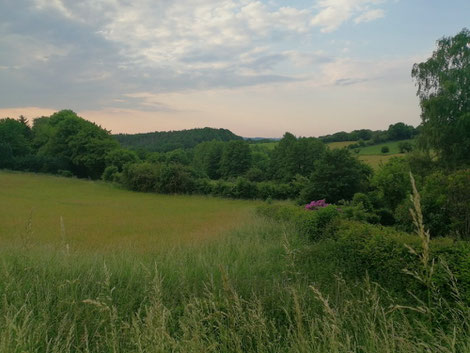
(165, 141)
(395, 132)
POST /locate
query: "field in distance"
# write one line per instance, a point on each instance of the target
(99, 216)
(371, 155)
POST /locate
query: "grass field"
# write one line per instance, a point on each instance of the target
(377, 149)
(372, 150)
(341, 144)
(375, 161)
(265, 145)
(49, 210)
(251, 286)
(372, 155)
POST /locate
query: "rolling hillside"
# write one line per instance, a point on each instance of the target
(165, 141)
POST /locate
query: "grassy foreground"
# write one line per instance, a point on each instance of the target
(257, 287)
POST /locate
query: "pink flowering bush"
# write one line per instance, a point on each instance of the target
(315, 205)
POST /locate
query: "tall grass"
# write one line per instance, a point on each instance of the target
(255, 288)
(244, 292)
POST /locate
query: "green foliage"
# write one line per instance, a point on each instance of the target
(82, 144)
(376, 251)
(393, 182)
(385, 149)
(119, 157)
(337, 176)
(405, 146)
(168, 178)
(421, 162)
(166, 141)
(446, 203)
(277, 191)
(444, 95)
(110, 173)
(207, 157)
(236, 159)
(6, 155)
(293, 156)
(178, 156)
(360, 208)
(400, 131)
(174, 178)
(141, 176)
(313, 225)
(15, 141)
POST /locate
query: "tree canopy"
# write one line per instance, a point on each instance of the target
(444, 91)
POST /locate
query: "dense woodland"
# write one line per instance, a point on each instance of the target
(166, 141)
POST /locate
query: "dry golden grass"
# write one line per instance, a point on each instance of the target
(98, 216)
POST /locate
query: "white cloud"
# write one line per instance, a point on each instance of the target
(165, 33)
(333, 13)
(95, 51)
(370, 15)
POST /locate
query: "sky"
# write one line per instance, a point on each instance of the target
(256, 67)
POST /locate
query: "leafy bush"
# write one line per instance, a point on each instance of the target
(338, 175)
(203, 186)
(385, 149)
(140, 176)
(314, 225)
(223, 188)
(245, 189)
(277, 191)
(393, 182)
(65, 173)
(405, 146)
(174, 178)
(109, 173)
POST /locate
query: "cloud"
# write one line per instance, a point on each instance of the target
(94, 53)
(370, 15)
(333, 13)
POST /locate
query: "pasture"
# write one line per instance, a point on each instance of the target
(91, 215)
(340, 144)
(377, 149)
(376, 160)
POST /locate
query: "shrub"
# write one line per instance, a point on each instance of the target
(203, 186)
(109, 173)
(446, 203)
(385, 149)
(223, 188)
(140, 176)
(174, 178)
(65, 173)
(314, 225)
(338, 175)
(405, 146)
(278, 191)
(245, 189)
(393, 182)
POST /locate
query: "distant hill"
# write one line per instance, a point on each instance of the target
(164, 141)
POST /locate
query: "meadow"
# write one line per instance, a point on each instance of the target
(95, 216)
(372, 155)
(376, 160)
(248, 284)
